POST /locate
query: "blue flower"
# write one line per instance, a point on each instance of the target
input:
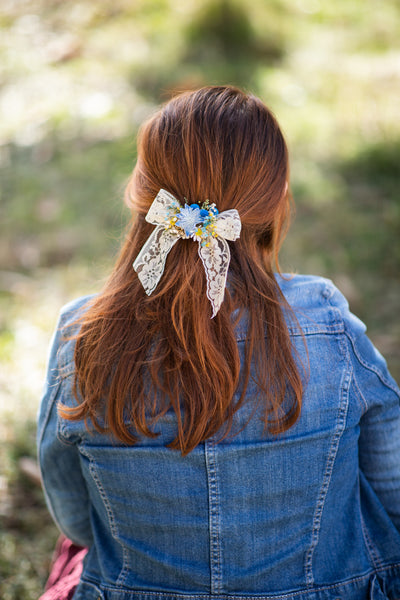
(187, 219)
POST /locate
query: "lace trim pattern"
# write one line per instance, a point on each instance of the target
(150, 262)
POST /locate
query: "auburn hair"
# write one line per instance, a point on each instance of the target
(139, 356)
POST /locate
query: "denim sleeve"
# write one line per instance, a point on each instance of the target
(64, 486)
(379, 441)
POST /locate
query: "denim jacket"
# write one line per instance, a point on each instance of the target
(309, 514)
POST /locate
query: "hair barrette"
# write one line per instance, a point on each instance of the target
(202, 223)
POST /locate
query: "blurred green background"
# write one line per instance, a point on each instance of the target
(76, 80)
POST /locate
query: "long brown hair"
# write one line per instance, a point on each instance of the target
(139, 356)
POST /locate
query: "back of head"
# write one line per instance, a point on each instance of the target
(151, 354)
(221, 144)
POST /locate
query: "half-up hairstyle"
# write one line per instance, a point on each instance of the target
(146, 355)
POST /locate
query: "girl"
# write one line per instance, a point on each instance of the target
(210, 428)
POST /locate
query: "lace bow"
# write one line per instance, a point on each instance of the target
(201, 223)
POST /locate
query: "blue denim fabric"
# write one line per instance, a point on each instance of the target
(310, 514)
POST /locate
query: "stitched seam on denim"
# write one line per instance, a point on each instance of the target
(376, 560)
(40, 441)
(363, 362)
(125, 569)
(63, 434)
(60, 433)
(65, 360)
(49, 407)
(357, 387)
(321, 330)
(370, 366)
(285, 596)
(66, 370)
(213, 516)
(341, 421)
(306, 330)
(110, 515)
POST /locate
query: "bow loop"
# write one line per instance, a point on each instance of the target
(228, 225)
(162, 204)
(201, 223)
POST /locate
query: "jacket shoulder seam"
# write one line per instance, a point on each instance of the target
(370, 367)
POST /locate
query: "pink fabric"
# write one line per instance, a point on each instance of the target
(65, 572)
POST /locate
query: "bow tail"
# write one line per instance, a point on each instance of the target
(150, 262)
(215, 257)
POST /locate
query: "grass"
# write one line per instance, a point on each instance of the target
(47, 229)
(77, 80)
(27, 532)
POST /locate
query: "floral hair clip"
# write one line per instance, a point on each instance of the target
(202, 223)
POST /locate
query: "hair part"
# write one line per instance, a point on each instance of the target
(139, 356)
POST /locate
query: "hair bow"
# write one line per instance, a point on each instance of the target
(201, 223)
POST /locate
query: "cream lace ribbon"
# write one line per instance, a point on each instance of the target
(211, 232)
